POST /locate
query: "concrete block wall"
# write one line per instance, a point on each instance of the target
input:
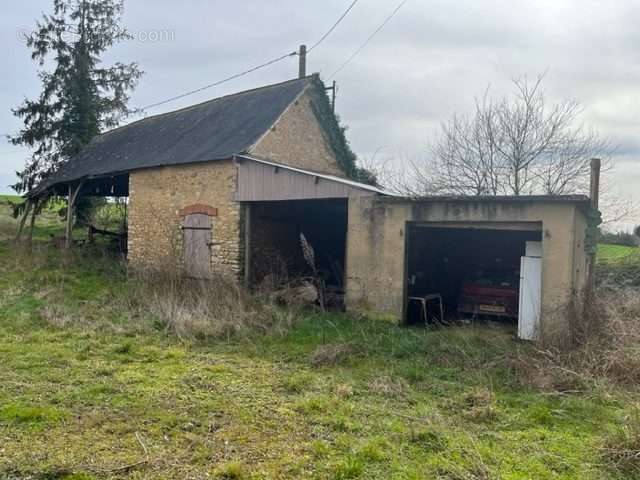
(376, 249)
(156, 197)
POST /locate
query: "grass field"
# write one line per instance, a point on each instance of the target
(619, 265)
(92, 389)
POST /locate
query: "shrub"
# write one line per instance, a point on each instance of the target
(605, 347)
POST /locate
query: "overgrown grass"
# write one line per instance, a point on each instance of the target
(90, 383)
(94, 385)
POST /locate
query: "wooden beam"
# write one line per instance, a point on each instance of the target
(74, 191)
(247, 244)
(32, 223)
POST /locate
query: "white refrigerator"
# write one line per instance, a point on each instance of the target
(530, 292)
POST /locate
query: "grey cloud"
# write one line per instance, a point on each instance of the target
(429, 62)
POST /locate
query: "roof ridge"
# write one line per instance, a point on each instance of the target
(212, 100)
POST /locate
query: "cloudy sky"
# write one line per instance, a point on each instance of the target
(429, 62)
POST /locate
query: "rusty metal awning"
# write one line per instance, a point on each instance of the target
(263, 180)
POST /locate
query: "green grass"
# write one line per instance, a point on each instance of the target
(617, 254)
(109, 396)
(48, 224)
(619, 265)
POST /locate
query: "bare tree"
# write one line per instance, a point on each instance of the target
(517, 145)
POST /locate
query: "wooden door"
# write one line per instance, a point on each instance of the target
(196, 230)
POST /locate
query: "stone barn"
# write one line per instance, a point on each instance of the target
(227, 187)
(230, 184)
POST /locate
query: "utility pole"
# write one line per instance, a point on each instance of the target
(302, 72)
(302, 66)
(594, 192)
(333, 95)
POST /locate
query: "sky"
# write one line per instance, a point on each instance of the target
(430, 61)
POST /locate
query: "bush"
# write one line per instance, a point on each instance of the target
(605, 347)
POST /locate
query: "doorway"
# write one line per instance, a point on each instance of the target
(474, 270)
(196, 231)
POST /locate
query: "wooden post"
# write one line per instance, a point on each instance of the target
(333, 97)
(71, 202)
(23, 220)
(594, 191)
(34, 212)
(594, 194)
(247, 244)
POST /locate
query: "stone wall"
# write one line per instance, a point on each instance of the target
(297, 139)
(376, 246)
(156, 198)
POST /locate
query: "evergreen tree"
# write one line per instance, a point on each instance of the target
(80, 97)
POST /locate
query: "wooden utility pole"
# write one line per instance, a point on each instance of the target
(333, 95)
(594, 190)
(594, 196)
(302, 65)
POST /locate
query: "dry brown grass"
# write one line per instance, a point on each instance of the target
(605, 348)
(621, 448)
(197, 309)
(389, 386)
(332, 354)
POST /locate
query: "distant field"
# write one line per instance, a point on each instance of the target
(612, 254)
(619, 265)
(47, 224)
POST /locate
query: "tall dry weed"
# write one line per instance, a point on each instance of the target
(605, 347)
(218, 307)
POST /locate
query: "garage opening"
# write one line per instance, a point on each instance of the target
(472, 271)
(276, 245)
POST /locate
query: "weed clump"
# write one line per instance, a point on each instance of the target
(389, 386)
(621, 448)
(332, 354)
(197, 309)
(230, 471)
(604, 349)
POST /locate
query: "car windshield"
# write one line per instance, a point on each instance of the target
(494, 278)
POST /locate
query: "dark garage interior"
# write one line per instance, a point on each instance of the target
(276, 249)
(474, 271)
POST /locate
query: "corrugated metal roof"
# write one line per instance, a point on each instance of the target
(350, 184)
(212, 130)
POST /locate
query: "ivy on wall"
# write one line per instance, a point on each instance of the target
(335, 136)
(592, 234)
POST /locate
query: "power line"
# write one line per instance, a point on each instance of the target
(220, 82)
(366, 42)
(334, 26)
(258, 67)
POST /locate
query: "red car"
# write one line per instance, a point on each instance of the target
(490, 293)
